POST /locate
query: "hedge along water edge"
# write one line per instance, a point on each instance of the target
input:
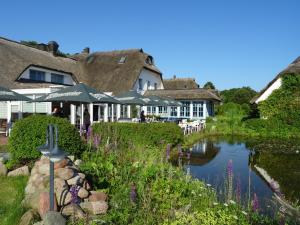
(29, 133)
(139, 134)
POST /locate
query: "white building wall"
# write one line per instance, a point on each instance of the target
(147, 75)
(268, 92)
(68, 80)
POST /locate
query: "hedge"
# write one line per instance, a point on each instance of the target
(152, 134)
(29, 133)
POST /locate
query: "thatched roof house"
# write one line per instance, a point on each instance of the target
(114, 71)
(274, 84)
(180, 83)
(16, 57)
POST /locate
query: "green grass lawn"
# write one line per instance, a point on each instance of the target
(11, 195)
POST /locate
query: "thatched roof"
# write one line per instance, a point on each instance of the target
(100, 70)
(105, 71)
(294, 67)
(16, 57)
(191, 94)
(180, 83)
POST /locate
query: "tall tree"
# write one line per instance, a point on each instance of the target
(238, 95)
(209, 85)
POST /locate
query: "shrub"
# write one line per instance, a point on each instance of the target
(284, 103)
(139, 134)
(271, 127)
(29, 133)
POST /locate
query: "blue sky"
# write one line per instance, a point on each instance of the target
(231, 43)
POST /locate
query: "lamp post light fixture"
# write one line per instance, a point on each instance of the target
(54, 154)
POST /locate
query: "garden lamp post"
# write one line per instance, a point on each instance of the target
(54, 154)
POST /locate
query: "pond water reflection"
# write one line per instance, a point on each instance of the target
(260, 167)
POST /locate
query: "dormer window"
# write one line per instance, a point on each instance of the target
(149, 60)
(140, 84)
(122, 60)
(57, 78)
(37, 75)
(148, 85)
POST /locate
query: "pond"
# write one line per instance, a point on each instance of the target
(241, 170)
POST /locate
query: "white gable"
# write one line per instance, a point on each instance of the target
(268, 92)
(147, 81)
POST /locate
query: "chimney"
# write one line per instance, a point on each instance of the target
(174, 76)
(86, 50)
(53, 47)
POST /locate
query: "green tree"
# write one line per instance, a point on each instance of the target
(209, 85)
(238, 95)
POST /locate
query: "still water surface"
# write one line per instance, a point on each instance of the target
(259, 167)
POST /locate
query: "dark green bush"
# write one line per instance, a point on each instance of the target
(29, 133)
(139, 134)
(271, 127)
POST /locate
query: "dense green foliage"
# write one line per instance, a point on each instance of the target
(238, 95)
(138, 134)
(163, 192)
(284, 103)
(11, 195)
(209, 85)
(30, 133)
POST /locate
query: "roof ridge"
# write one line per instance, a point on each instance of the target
(35, 49)
(180, 78)
(121, 51)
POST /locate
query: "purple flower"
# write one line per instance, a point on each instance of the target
(168, 150)
(89, 133)
(188, 154)
(74, 193)
(229, 180)
(230, 168)
(238, 190)
(133, 194)
(96, 141)
(255, 203)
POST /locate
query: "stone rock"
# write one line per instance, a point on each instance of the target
(73, 210)
(75, 180)
(5, 156)
(29, 217)
(40, 181)
(32, 200)
(71, 157)
(39, 223)
(44, 169)
(94, 208)
(44, 203)
(64, 173)
(97, 196)
(54, 218)
(34, 170)
(61, 164)
(22, 171)
(60, 184)
(77, 162)
(64, 197)
(86, 185)
(82, 175)
(83, 193)
(3, 169)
